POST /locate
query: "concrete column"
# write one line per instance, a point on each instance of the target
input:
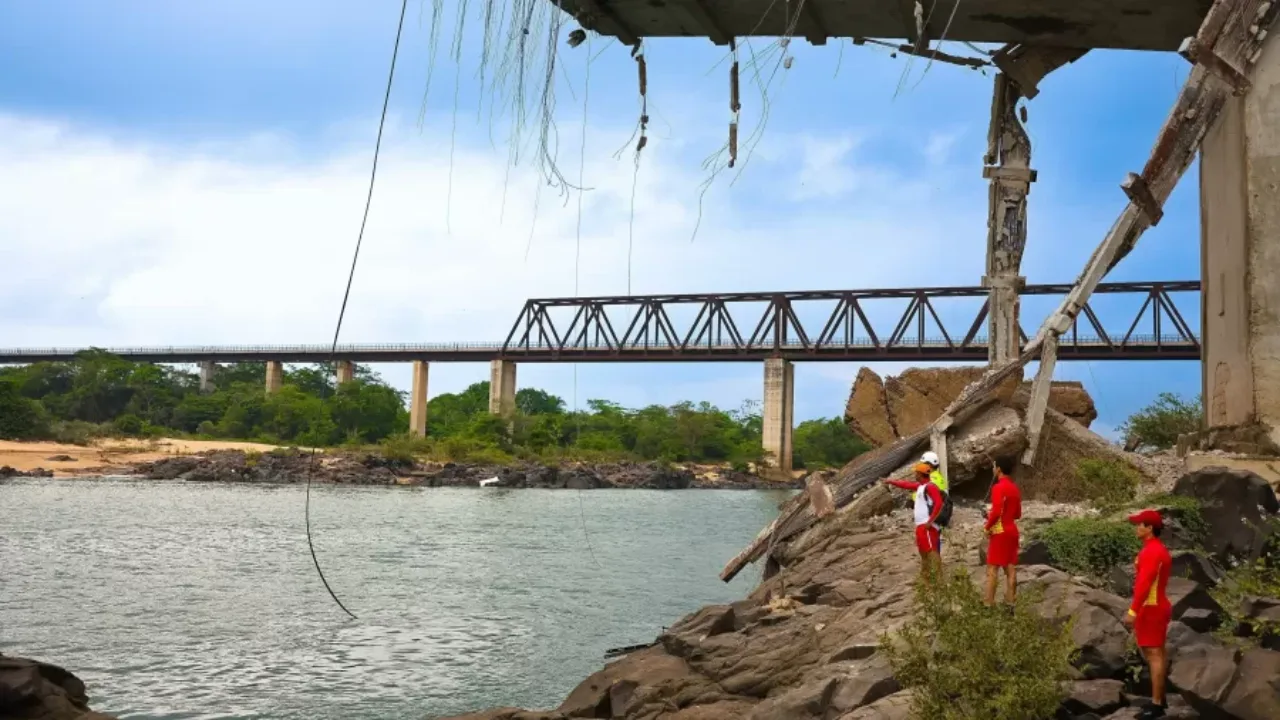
(1240, 253)
(208, 369)
(418, 400)
(502, 388)
(779, 401)
(346, 371)
(1008, 167)
(275, 376)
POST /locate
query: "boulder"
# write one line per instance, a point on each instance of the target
(1194, 566)
(1236, 505)
(894, 707)
(1255, 693)
(33, 690)
(1186, 595)
(1094, 696)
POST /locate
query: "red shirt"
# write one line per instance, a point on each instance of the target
(1153, 567)
(1006, 507)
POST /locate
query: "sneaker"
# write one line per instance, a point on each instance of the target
(1150, 711)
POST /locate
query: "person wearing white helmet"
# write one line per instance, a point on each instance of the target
(930, 458)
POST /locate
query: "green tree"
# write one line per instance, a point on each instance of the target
(21, 418)
(532, 401)
(825, 443)
(1159, 424)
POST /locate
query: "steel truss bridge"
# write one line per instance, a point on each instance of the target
(728, 327)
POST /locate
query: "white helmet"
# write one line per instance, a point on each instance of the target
(930, 458)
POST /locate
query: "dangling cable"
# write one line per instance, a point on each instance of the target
(735, 106)
(333, 350)
(577, 257)
(642, 70)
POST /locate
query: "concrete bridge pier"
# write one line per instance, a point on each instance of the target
(1240, 255)
(208, 369)
(346, 371)
(777, 420)
(275, 376)
(418, 400)
(502, 387)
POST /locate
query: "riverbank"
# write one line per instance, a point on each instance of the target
(811, 641)
(239, 462)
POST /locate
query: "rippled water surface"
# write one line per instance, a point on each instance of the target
(177, 600)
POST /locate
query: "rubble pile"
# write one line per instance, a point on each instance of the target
(883, 411)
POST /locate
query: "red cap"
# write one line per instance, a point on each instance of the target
(1150, 518)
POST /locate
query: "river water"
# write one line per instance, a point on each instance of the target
(179, 600)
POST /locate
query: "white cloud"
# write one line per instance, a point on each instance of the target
(114, 242)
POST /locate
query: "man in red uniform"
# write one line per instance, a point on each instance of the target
(1002, 528)
(1150, 613)
(928, 505)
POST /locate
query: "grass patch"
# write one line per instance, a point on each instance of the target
(964, 660)
(1109, 484)
(1090, 546)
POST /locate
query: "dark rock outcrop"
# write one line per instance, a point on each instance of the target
(292, 466)
(1236, 505)
(33, 690)
(10, 472)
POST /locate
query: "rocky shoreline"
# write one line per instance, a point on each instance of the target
(806, 644)
(287, 466)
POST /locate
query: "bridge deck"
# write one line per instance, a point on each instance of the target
(742, 327)
(1130, 24)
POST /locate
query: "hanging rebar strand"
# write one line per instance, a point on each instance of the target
(734, 104)
(637, 52)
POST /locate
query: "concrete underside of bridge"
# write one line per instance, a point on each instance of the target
(1240, 248)
(1127, 24)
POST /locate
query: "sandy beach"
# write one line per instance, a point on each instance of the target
(103, 456)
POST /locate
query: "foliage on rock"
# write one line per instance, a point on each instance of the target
(965, 661)
(1108, 483)
(1240, 589)
(1159, 424)
(1089, 546)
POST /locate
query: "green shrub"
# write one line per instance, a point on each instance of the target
(1260, 579)
(77, 432)
(129, 425)
(1159, 424)
(1185, 510)
(405, 448)
(1108, 483)
(1090, 546)
(964, 660)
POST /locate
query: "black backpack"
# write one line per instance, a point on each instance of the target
(944, 516)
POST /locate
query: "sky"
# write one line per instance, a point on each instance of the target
(194, 174)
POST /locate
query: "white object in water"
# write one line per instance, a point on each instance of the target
(490, 481)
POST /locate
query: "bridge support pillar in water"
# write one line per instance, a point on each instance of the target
(346, 371)
(275, 376)
(418, 400)
(502, 388)
(777, 420)
(208, 369)
(1240, 255)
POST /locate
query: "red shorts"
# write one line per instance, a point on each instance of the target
(1003, 549)
(1151, 626)
(927, 539)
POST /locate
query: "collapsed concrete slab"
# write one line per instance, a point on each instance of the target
(882, 411)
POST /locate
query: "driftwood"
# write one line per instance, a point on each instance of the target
(1233, 31)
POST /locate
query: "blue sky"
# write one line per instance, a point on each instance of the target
(192, 173)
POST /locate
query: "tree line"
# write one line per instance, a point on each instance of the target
(97, 394)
